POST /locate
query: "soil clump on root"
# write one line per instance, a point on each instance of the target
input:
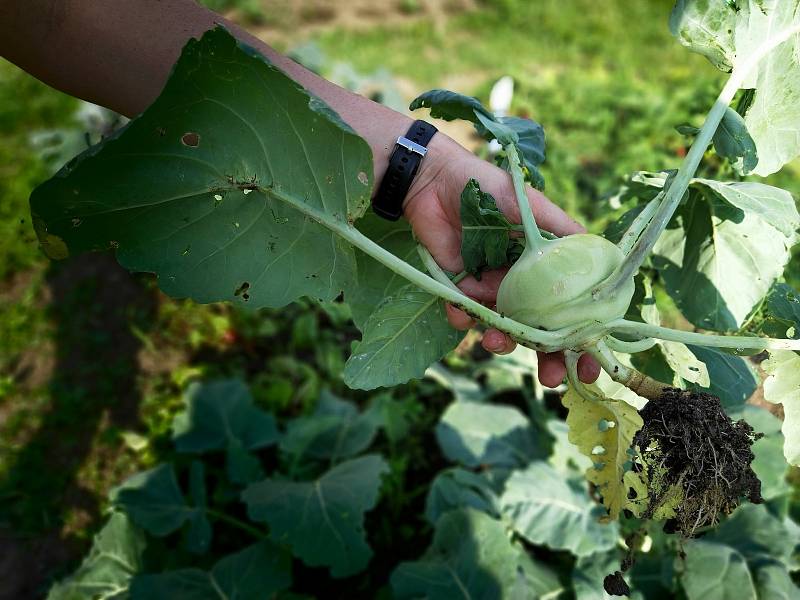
(694, 459)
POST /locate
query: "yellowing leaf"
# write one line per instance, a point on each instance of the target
(603, 430)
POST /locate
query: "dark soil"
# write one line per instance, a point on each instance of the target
(615, 585)
(688, 441)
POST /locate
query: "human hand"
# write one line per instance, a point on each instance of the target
(433, 208)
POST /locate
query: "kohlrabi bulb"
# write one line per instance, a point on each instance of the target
(550, 286)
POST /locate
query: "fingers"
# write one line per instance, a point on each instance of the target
(498, 342)
(552, 370)
(457, 318)
(588, 369)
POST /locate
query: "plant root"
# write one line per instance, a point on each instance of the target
(695, 461)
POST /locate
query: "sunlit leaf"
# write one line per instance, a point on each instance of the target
(548, 509)
(105, 574)
(783, 387)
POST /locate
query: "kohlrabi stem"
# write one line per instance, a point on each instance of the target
(639, 224)
(547, 341)
(637, 382)
(674, 193)
(435, 271)
(533, 237)
(736, 342)
(629, 347)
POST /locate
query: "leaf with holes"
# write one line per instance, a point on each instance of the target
(219, 186)
(322, 520)
(603, 430)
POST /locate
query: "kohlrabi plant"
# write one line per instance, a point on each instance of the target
(239, 185)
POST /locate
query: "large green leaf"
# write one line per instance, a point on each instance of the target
(725, 250)
(215, 187)
(732, 379)
(774, 582)
(375, 280)
(769, 464)
(105, 574)
(405, 334)
(757, 535)
(458, 488)
(728, 34)
(322, 520)
(603, 430)
(783, 387)
(471, 557)
(730, 561)
(781, 316)
(153, 500)
(220, 415)
(258, 571)
(549, 509)
(334, 431)
(473, 434)
(716, 572)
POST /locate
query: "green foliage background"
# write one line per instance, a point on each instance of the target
(607, 81)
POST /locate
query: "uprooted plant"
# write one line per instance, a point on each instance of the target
(227, 201)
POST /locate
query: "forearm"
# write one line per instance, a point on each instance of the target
(119, 53)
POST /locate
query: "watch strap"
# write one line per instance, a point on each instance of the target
(403, 166)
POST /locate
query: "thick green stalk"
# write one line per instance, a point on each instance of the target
(629, 347)
(435, 271)
(533, 237)
(639, 224)
(542, 340)
(683, 178)
(702, 339)
(637, 382)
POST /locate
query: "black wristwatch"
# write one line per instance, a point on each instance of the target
(403, 165)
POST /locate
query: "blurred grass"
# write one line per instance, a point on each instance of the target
(607, 81)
